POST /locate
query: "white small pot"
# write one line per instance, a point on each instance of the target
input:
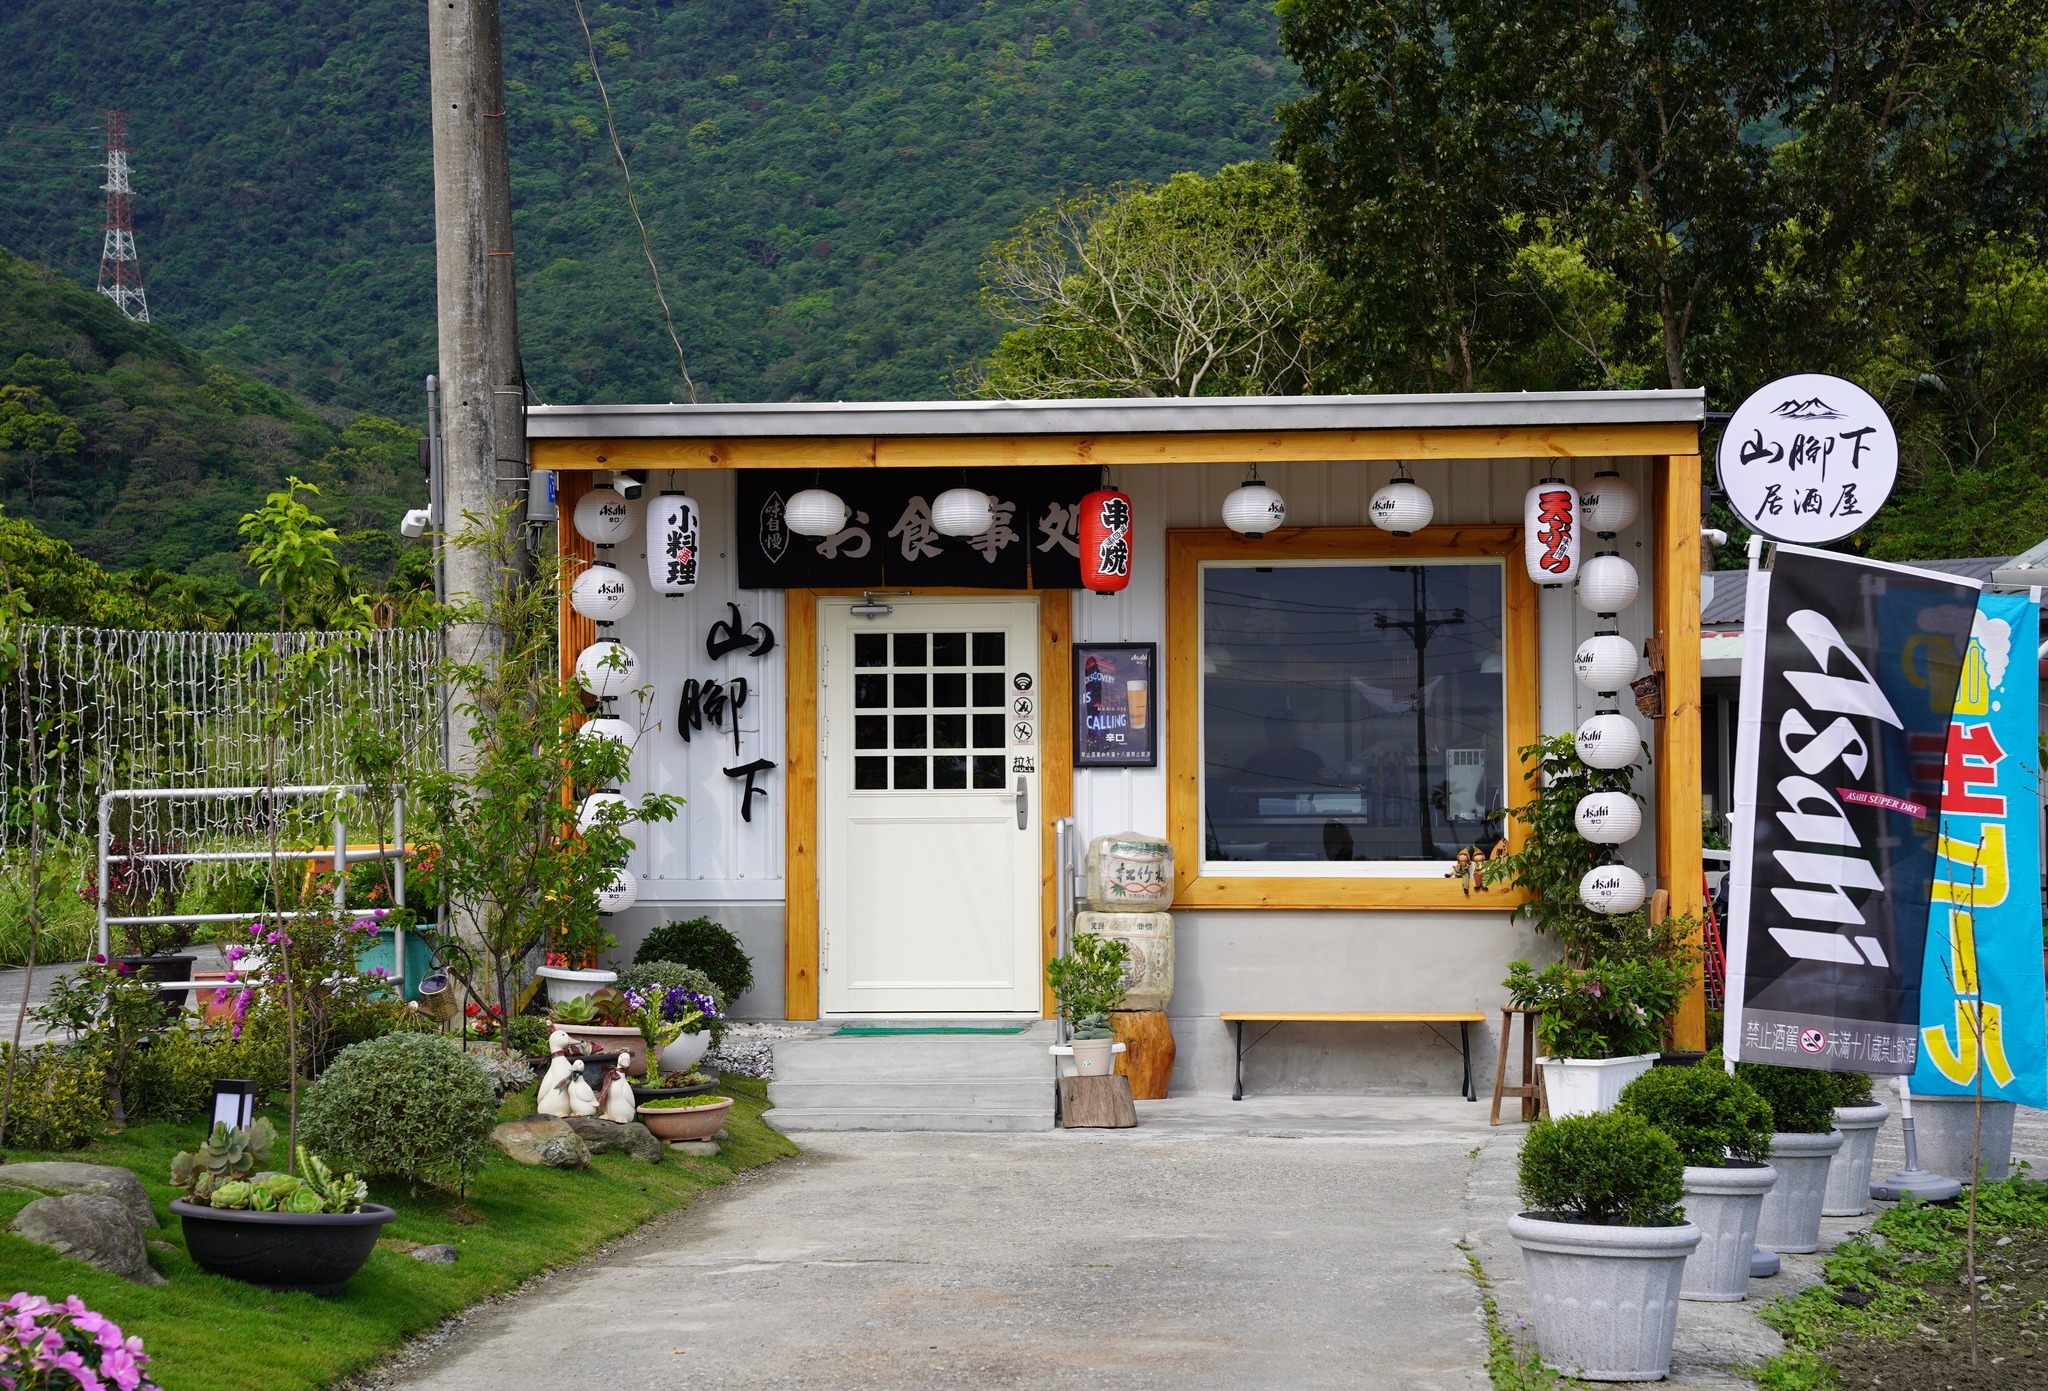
(1849, 1171)
(1946, 1126)
(565, 984)
(686, 1052)
(1724, 1202)
(1584, 1086)
(1603, 1301)
(1069, 1056)
(1790, 1221)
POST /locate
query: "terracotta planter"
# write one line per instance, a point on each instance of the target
(687, 1123)
(209, 1012)
(601, 1039)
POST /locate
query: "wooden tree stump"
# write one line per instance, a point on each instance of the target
(1100, 1103)
(1147, 1058)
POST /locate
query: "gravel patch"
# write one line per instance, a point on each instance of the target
(748, 1049)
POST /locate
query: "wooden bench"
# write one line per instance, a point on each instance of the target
(1464, 1019)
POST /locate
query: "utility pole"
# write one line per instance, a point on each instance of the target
(481, 387)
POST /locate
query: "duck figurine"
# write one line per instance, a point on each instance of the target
(582, 1100)
(615, 1097)
(553, 1097)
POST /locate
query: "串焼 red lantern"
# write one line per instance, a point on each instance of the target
(1105, 541)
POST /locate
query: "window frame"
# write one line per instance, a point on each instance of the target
(1186, 552)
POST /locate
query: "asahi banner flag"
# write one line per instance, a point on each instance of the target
(1848, 676)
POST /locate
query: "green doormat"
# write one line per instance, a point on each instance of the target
(885, 1031)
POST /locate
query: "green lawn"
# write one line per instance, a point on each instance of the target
(206, 1333)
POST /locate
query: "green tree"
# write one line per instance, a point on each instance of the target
(33, 427)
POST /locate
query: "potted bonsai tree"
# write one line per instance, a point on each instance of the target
(1604, 1243)
(1599, 1024)
(1088, 984)
(1803, 1144)
(1723, 1130)
(1859, 1115)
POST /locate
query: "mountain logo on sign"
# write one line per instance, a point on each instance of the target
(1815, 409)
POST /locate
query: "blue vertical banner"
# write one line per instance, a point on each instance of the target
(1983, 956)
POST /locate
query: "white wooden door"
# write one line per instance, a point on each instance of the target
(928, 807)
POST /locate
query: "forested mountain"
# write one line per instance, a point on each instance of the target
(820, 180)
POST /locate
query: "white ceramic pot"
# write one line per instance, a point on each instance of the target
(1603, 1301)
(1849, 1171)
(1094, 1057)
(686, 1052)
(565, 984)
(1945, 1126)
(1724, 1202)
(1068, 1061)
(1790, 1221)
(1584, 1086)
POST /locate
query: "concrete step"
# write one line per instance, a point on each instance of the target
(972, 1082)
(796, 1122)
(867, 1059)
(920, 1094)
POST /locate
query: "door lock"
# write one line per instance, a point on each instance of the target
(1023, 804)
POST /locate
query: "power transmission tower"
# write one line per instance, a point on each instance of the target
(120, 274)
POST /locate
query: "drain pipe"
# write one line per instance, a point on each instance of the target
(1063, 901)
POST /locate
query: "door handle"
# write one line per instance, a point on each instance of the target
(1023, 804)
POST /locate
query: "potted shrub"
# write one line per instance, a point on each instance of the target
(1088, 985)
(1723, 1130)
(1803, 1145)
(685, 1117)
(309, 1232)
(1599, 1024)
(142, 888)
(685, 997)
(1604, 1243)
(1859, 1115)
(602, 1022)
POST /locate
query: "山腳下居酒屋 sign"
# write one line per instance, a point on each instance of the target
(889, 539)
(1808, 459)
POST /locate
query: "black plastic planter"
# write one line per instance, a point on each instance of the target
(169, 967)
(316, 1252)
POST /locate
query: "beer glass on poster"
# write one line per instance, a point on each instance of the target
(1116, 720)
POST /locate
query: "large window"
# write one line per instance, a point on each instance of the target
(1352, 714)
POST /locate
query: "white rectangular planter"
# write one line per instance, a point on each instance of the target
(1584, 1086)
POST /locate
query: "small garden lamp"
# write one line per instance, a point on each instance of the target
(234, 1103)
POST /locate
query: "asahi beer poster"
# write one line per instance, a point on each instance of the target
(1849, 676)
(1115, 724)
(1981, 996)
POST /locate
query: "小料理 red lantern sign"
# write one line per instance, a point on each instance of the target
(1105, 541)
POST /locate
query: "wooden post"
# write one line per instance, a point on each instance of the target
(1147, 1058)
(1680, 795)
(800, 806)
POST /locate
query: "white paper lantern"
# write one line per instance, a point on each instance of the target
(963, 512)
(603, 518)
(1608, 584)
(607, 669)
(618, 731)
(1609, 740)
(1612, 889)
(1254, 509)
(1403, 507)
(816, 512)
(594, 806)
(1605, 662)
(603, 593)
(1608, 818)
(1610, 504)
(619, 895)
(673, 526)
(1550, 532)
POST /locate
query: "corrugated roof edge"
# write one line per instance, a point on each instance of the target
(1137, 415)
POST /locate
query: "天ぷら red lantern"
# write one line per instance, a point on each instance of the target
(1105, 541)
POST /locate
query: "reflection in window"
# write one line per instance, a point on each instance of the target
(1351, 712)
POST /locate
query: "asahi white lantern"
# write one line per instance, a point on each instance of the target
(1550, 533)
(963, 512)
(1612, 889)
(1253, 509)
(603, 593)
(617, 731)
(1608, 584)
(816, 512)
(1608, 818)
(607, 669)
(1610, 504)
(1403, 507)
(619, 895)
(1605, 662)
(603, 518)
(674, 524)
(1609, 740)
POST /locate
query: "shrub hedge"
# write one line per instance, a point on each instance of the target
(408, 1106)
(705, 945)
(1708, 1114)
(1611, 1169)
(59, 1099)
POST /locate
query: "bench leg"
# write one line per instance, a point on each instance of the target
(1465, 1048)
(1237, 1092)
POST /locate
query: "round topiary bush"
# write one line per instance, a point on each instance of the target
(1709, 1115)
(1802, 1099)
(408, 1106)
(1611, 1169)
(1852, 1089)
(707, 946)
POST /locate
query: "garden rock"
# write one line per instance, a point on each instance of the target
(439, 1254)
(544, 1141)
(90, 1227)
(609, 1137)
(54, 1179)
(696, 1149)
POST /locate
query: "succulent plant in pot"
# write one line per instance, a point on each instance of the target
(1604, 1243)
(1088, 984)
(1723, 1131)
(309, 1231)
(1804, 1143)
(603, 1022)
